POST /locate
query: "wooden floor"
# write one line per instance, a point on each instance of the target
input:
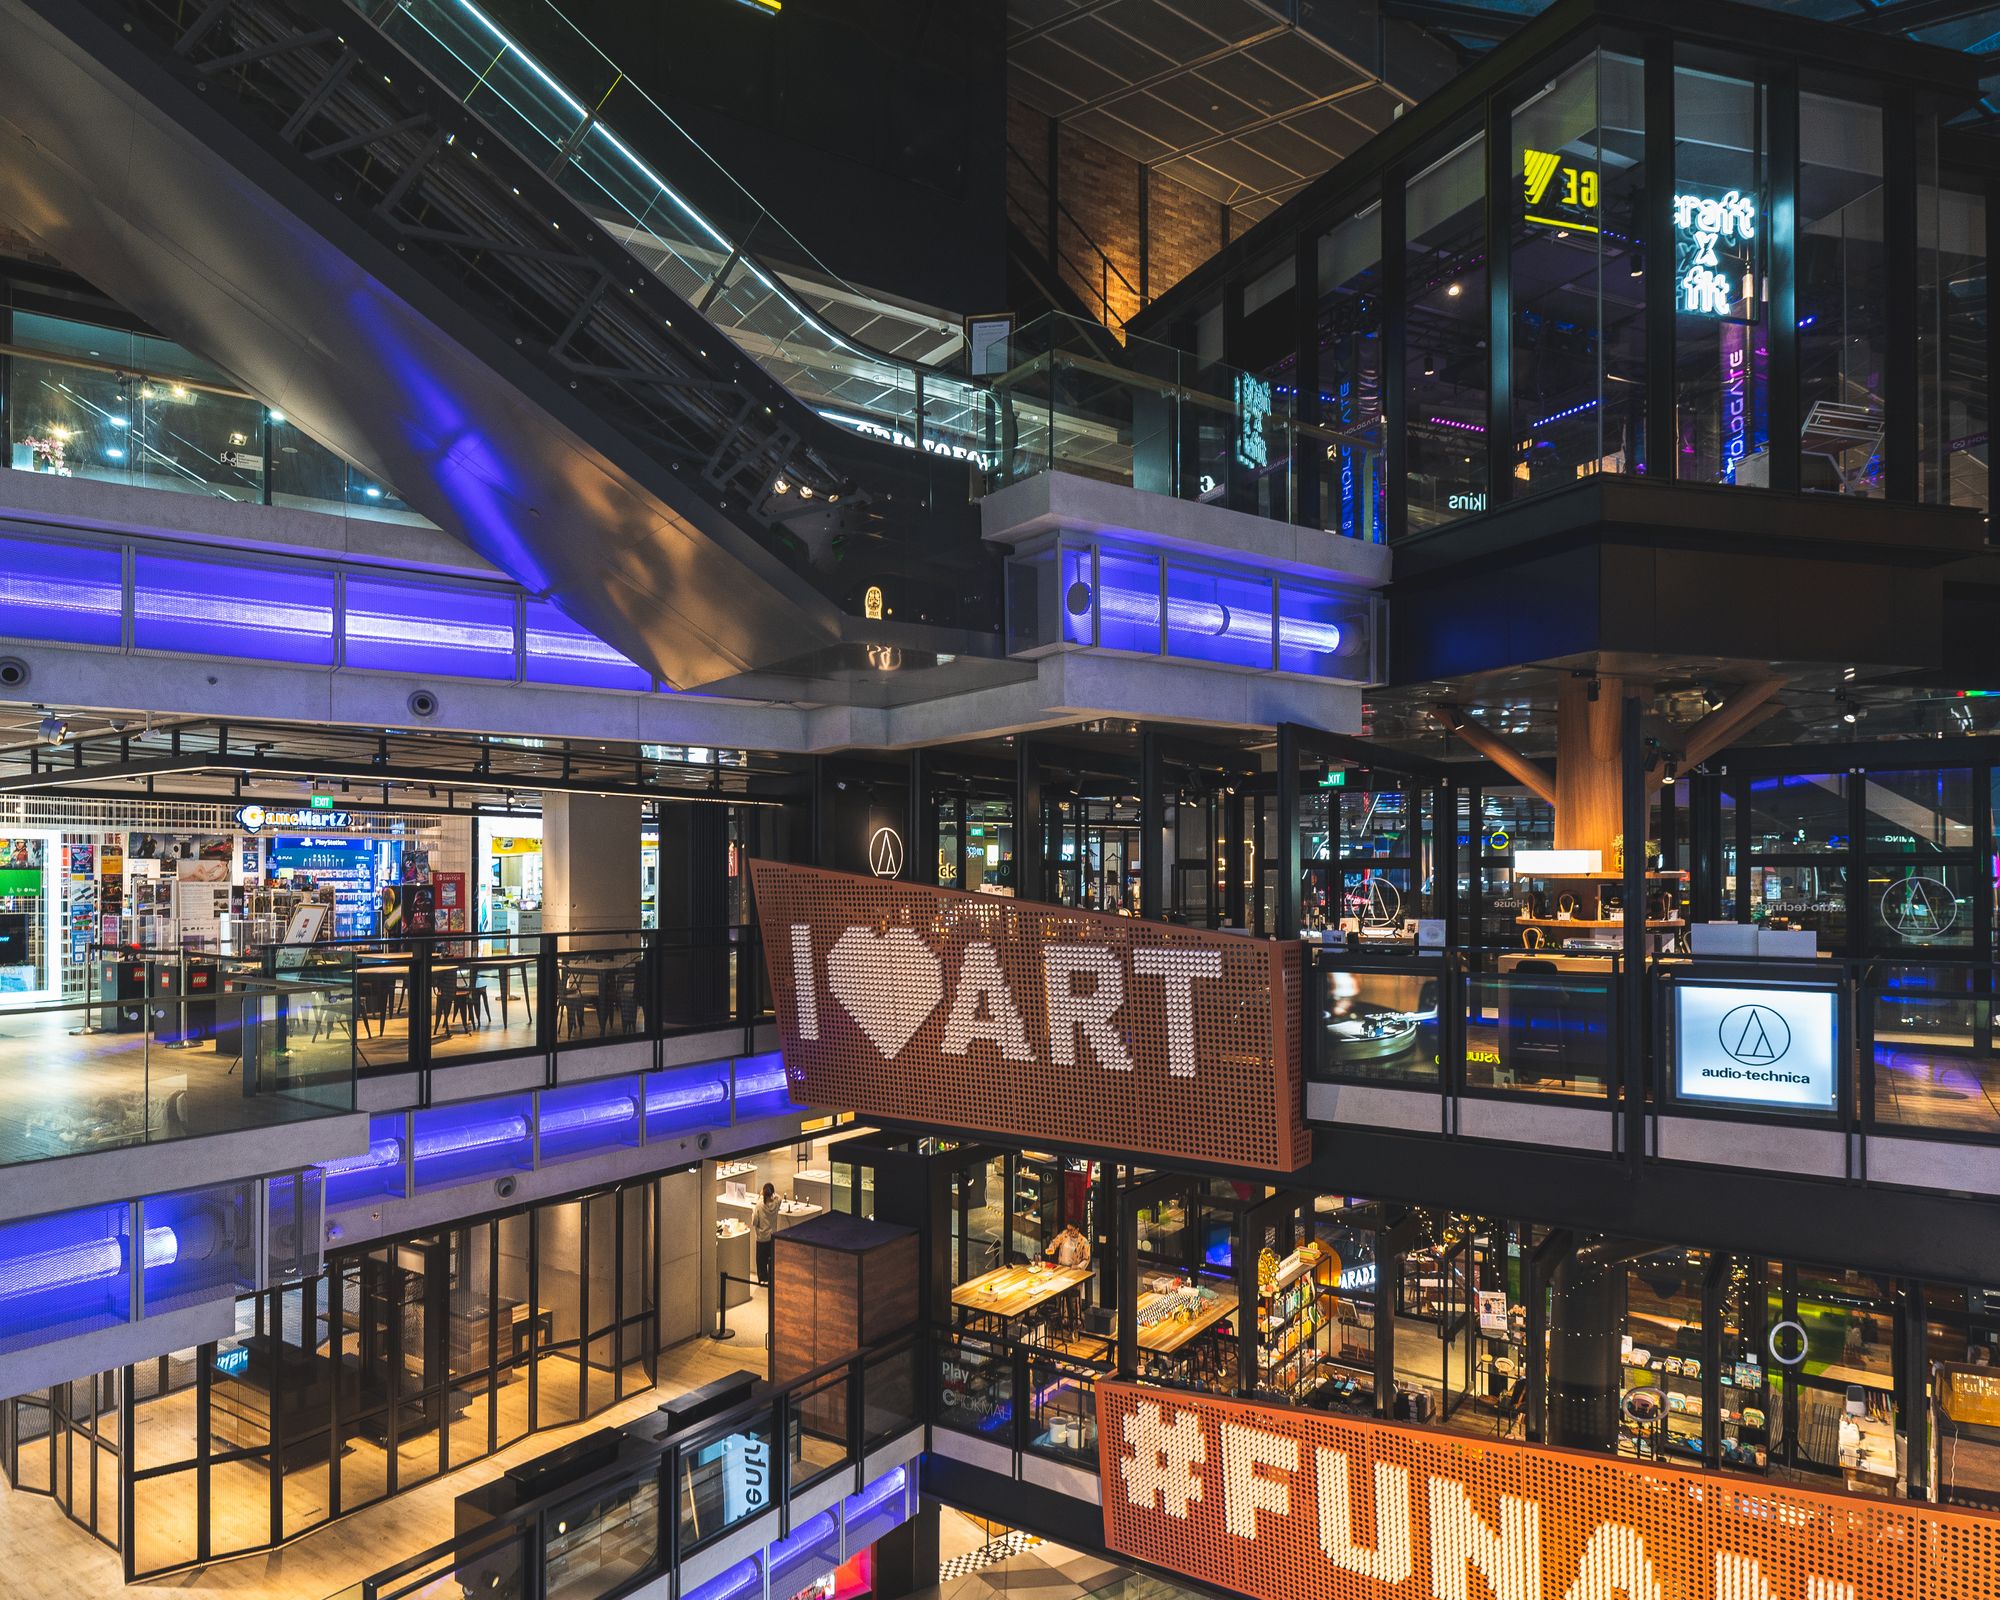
(45, 1556)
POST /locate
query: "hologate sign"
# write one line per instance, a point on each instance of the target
(1005, 1016)
(1279, 1504)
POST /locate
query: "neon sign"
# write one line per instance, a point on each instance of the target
(1714, 233)
(1539, 169)
(1253, 407)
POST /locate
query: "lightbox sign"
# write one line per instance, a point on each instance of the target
(906, 1002)
(1715, 235)
(1253, 410)
(1758, 1047)
(254, 819)
(1278, 1503)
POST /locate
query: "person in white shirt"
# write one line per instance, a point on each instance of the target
(764, 1229)
(1070, 1248)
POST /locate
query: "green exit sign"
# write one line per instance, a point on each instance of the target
(322, 802)
(1336, 779)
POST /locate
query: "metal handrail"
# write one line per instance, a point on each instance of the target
(662, 1457)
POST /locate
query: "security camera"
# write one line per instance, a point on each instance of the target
(53, 728)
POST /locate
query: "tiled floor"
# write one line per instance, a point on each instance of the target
(981, 1561)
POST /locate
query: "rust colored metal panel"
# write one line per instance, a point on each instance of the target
(1279, 1503)
(1010, 1017)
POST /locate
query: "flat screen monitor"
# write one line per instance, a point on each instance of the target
(13, 939)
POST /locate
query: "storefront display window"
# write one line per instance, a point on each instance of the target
(31, 927)
(1722, 252)
(396, 1363)
(1445, 356)
(1578, 335)
(1843, 296)
(1354, 493)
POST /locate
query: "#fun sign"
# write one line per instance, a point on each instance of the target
(1004, 1016)
(1282, 1504)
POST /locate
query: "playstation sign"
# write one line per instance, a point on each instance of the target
(1771, 1048)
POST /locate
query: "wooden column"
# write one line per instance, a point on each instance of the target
(1589, 730)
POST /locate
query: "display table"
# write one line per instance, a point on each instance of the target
(1867, 1450)
(1008, 1294)
(1166, 1335)
(736, 1259)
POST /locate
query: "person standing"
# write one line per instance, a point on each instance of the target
(764, 1229)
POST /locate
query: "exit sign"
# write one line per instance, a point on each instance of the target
(322, 802)
(1335, 779)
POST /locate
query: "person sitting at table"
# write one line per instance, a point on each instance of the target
(1069, 1248)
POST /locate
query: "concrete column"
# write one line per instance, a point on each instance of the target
(590, 863)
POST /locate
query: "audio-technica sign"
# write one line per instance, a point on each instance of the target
(1281, 1504)
(1745, 1045)
(901, 1001)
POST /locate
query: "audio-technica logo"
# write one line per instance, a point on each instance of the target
(1755, 1035)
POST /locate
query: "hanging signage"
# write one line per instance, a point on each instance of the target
(1743, 1045)
(255, 818)
(1253, 409)
(1715, 251)
(1277, 1503)
(897, 1000)
(1556, 194)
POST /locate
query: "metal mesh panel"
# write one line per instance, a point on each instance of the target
(1003, 1016)
(1276, 1504)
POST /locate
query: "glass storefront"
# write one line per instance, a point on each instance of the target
(398, 1362)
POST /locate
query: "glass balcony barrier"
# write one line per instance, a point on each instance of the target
(666, 1498)
(1168, 422)
(172, 1046)
(75, 409)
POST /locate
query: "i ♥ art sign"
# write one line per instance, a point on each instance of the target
(993, 1015)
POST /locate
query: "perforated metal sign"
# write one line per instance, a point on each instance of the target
(1277, 1504)
(1003, 1016)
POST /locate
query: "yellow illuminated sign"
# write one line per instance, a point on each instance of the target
(1539, 171)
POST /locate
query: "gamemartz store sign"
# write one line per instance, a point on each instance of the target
(1289, 1504)
(972, 1011)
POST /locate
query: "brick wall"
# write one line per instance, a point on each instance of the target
(1100, 189)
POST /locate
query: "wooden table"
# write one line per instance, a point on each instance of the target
(399, 966)
(1009, 1293)
(1165, 1337)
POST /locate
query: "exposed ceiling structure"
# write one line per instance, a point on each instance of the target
(1244, 101)
(49, 751)
(1472, 27)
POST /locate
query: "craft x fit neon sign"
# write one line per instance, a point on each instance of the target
(901, 1001)
(1715, 238)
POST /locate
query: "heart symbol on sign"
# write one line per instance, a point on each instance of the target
(889, 983)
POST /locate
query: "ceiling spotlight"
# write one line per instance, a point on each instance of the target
(1454, 290)
(1430, 364)
(52, 728)
(1638, 267)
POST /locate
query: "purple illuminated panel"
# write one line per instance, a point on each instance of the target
(762, 1089)
(1128, 602)
(487, 1139)
(209, 608)
(1074, 584)
(71, 593)
(558, 651)
(1320, 634)
(687, 1097)
(407, 627)
(586, 1119)
(70, 1273)
(1214, 617)
(209, 1228)
(378, 1170)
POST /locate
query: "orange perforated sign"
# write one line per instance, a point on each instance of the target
(1286, 1504)
(1005, 1016)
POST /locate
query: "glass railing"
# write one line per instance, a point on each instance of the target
(73, 417)
(433, 1001)
(1168, 422)
(173, 1046)
(605, 1534)
(556, 98)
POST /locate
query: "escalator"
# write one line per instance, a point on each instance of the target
(392, 222)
